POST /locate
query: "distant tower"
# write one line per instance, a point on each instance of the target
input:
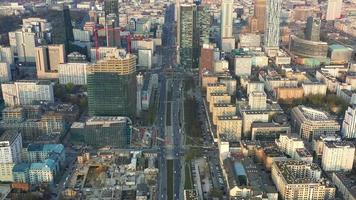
(187, 35)
(111, 6)
(312, 29)
(334, 9)
(271, 37)
(226, 19)
(112, 31)
(260, 14)
(63, 31)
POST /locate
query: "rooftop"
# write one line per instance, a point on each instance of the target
(339, 144)
(21, 167)
(9, 135)
(291, 171)
(348, 181)
(56, 148)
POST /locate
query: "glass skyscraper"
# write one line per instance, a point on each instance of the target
(112, 86)
(194, 28)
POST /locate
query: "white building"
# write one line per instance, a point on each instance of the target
(27, 92)
(243, 65)
(5, 72)
(6, 55)
(334, 9)
(250, 40)
(255, 86)
(314, 89)
(338, 156)
(10, 147)
(289, 144)
(226, 18)
(75, 73)
(145, 58)
(248, 117)
(103, 52)
(23, 43)
(257, 100)
(348, 129)
(10, 153)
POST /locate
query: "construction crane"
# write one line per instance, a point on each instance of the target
(96, 28)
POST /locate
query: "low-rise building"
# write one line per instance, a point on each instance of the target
(103, 131)
(289, 144)
(214, 87)
(229, 125)
(268, 131)
(348, 129)
(300, 180)
(250, 117)
(245, 180)
(345, 185)
(75, 73)
(27, 92)
(310, 123)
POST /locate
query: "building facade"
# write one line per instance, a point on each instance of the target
(338, 156)
(112, 86)
(349, 124)
(27, 92)
(75, 73)
(103, 131)
(300, 180)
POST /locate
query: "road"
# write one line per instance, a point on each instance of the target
(168, 53)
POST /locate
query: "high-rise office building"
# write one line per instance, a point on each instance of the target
(312, 29)
(111, 6)
(62, 29)
(112, 86)
(112, 30)
(226, 18)
(260, 14)
(203, 24)
(349, 124)
(272, 20)
(333, 9)
(48, 59)
(338, 156)
(188, 41)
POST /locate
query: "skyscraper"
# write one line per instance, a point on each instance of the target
(112, 30)
(111, 6)
(334, 9)
(271, 37)
(112, 86)
(203, 25)
(312, 29)
(187, 35)
(193, 32)
(62, 28)
(226, 19)
(260, 14)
